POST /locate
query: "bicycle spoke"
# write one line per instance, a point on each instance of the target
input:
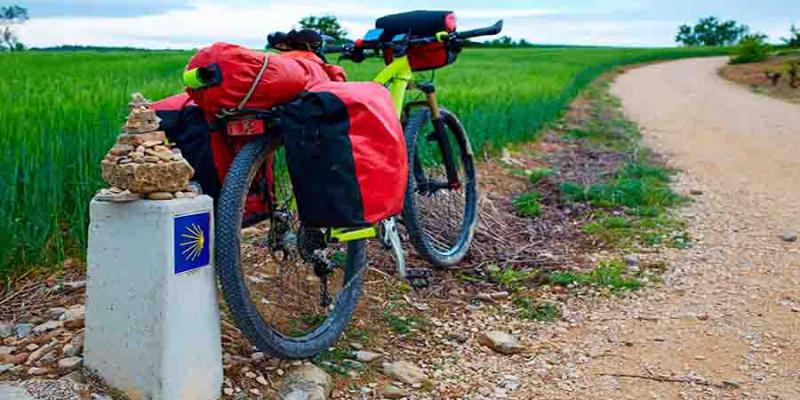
(444, 206)
(283, 285)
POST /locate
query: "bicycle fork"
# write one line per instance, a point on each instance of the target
(439, 134)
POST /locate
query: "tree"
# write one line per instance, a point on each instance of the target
(794, 39)
(711, 31)
(326, 25)
(10, 16)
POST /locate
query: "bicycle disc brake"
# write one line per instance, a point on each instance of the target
(390, 236)
(281, 240)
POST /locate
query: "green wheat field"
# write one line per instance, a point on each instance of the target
(61, 111)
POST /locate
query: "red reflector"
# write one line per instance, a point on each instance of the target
(359, 42)
(450, 22)
(246, 127)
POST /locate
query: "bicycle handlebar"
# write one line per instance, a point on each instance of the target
(488, 31)
(349, 49)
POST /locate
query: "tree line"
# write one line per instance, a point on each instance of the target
(711, 31)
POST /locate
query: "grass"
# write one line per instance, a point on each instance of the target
(538, 174)
(633, 202)
(304, 324)
(334, 360)
(537, 311)
(510, 278)
(609, 274)
(624, 231)
(403, 324)
(62, 110)
(528, 204)
(641, 187)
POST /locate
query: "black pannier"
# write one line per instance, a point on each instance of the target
(421, 24)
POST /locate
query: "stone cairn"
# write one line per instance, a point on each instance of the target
(143, 163)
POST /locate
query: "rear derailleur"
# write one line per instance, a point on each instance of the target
(313, 246)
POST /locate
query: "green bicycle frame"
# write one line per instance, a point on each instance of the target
(397, 77)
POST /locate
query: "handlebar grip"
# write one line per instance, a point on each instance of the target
(488, 31)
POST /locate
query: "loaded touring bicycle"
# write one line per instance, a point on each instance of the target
(311, 167)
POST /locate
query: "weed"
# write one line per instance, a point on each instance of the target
(304, 324)
(639, 186)
(510, 278)
(401, 324)
(543, 311)
(469, 278)
(537, 174)
(528, 204)
(360, 335)
(611, 230)
(610, 274)
(334, 360)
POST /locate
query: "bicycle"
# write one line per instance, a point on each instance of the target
(321, 271)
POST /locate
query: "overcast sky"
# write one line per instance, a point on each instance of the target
(195, 23)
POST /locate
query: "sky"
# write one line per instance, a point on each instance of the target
(185, 24)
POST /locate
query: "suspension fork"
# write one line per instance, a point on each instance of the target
(440, 135)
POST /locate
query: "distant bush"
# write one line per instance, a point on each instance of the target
(752, 48)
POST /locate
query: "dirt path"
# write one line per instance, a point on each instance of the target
(727, 317)
(729, 313)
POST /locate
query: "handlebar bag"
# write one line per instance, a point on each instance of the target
(270, 79)
(416, 24)
(211, 153)
(346, 154)
(421, 24)
(428, 56)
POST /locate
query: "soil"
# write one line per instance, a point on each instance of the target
(758, 77)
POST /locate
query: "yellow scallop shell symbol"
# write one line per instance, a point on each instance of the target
(194, 242)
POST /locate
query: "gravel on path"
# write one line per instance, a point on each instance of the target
(725, 324)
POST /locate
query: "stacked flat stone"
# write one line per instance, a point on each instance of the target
(143, 163)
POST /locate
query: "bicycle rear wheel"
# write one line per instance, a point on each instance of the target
(274, 293)
(440, 218)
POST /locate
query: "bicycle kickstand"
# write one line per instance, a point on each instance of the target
(391, 237)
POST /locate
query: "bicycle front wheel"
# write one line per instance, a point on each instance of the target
(440, 217)
(277, 298)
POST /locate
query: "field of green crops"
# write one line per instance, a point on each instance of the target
(60, 112)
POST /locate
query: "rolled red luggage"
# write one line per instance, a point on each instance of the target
(239, 70)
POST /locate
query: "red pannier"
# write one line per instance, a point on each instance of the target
(346, 154)
(280, 77)
(421, 24)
